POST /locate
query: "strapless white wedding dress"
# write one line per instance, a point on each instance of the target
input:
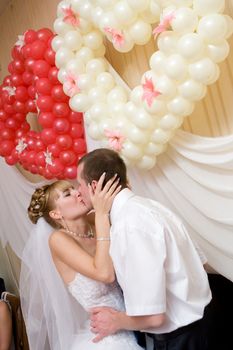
(89, 294)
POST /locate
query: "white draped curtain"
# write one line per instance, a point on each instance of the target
(193, 178)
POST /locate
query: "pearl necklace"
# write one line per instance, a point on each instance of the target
(89, 234)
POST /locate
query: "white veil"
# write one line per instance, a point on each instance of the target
(51, 314)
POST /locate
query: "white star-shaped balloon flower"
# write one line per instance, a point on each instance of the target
(10, 89)
(48, 158)
(21, 146)
(20, 42)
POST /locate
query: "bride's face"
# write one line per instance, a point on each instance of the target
(69, 203)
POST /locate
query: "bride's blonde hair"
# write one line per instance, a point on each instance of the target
(43, 201)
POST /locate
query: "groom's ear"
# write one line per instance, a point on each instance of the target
(93, 185)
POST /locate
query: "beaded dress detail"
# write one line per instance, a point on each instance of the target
(89, 294)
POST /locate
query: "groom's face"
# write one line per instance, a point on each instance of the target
(83, 188)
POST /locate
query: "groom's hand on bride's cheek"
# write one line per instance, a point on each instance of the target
(103, 322)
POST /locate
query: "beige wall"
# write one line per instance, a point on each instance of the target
(212, 116)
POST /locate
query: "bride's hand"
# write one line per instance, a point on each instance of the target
(102, 198)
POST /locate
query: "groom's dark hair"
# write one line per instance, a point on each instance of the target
(102, 160)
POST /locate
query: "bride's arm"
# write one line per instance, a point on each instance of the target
(68, 251)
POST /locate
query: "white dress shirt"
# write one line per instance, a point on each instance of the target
(156, 263)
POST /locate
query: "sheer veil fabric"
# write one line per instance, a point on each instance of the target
(51, 314)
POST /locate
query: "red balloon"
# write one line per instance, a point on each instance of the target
(46, 119)
(41, 68)
(50, 56)
(61, 125)
(9, 109)
(79, 146)
(56, 167)
(27, 78)
(58, 94)
(40, 159)
(32, 91)
(21, 94)
(6, 147)
(61, 109)
(44, 34)
(6, 134)
(27, 50)
(76, 117)
(70, 172)
(48, 136)
(7, 80)
(29, 64)
(11, 67)
(16, 52)
(39, 145)
(18, 66)
(10, 160)
(19, 107)
(30, 36)
(16, 79)
(3, 115)
(53, 75)
(45, 103)
(76, 131)
(11, 123)
(43, 86)
(64, 141)
(30, 106)
(38, 48)
(67, 157)
(54, 149)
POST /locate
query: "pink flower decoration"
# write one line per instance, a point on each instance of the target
(117, 36)
(71, 84)
(115, 139)
(164, 24)
(70, 17)
(149, 92)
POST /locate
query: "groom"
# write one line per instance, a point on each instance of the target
(165, 286)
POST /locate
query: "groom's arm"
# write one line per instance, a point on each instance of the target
(106, 321)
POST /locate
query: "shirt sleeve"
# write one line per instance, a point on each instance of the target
(144, 289)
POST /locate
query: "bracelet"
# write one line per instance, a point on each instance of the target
(103, 239)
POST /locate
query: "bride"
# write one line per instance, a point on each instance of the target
(64, 272)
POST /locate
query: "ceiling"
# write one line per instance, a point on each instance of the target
(3, 5)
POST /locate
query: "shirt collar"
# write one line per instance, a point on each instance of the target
(120, 199)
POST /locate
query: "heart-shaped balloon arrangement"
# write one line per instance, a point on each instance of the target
(191, 39)
(33, 87)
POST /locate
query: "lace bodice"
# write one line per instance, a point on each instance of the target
(90, 293)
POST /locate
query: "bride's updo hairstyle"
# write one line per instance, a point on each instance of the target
(43, 201)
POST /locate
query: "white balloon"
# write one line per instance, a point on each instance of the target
(57, 42)
(108, 20)
(170, 121)
(62, 75)
(160, 136)
(96, 94)
(136, 95)
(61, 7)
(206, 7)
(100, 52)
(192, 90)
(157, 108)
(126, 45)
(117, 94)
(191, 46)
(76, 4)
(85, 53)
(155, 10)
(63, 55)
(98, 110)
(229, 22)
(75, 66)
(73, 40)
(154, 148)
(117, 108)
(96, 14)
(96, 66)
(60, 27)
(105, 81)
(85, 82)
(166, 86)
(131, 151)
(130, 109)
(93, 131)
(185, 21)
(157, 62)
(85, 26)
(140, 32)
(143, 119)
(146, 163)
(105, 124)
(203, 70)
(149, 17)
(136, 135)
(176, 67)
(124, 13)
(85, 10)
(93, 40)
(138, 5)
(167, 42)
(212, 27)
(218, 51)
(79, 103)
(180, 106)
